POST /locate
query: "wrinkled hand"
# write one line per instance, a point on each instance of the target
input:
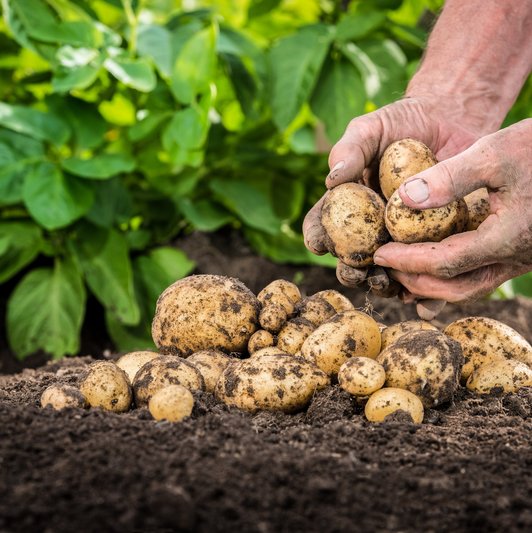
(468, 265)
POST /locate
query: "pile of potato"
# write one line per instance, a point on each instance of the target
(273, 351)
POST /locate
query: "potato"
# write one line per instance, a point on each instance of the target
(485, 340)
(340, 302)
(402, 160)
(272, 317)
(293, 335)
(211, 364)
(353, 219)
(260, 339)
(348, 334)
(270, 382)
(428, 225)
(389, 400)
(131, 362)
(172, 403)
(478, 207)
(269, 350)
(205, 312)
(282, 292)
(316, 310)
(504, 375)
(163, 371)
(390, 334)
(106, 385)
(427, 363)
(361, 376)
(60, 396)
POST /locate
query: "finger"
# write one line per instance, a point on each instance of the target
(392, 289)
(349, 276)
(313, 232)
(429, 309)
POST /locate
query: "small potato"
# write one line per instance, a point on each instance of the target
(348, 334)
(361, 376)
(316, 310)
(427, 363)
(282, 292)
(270, 382)
(428, 225)
(272, 317)
(396, 331)
(505, 375)
(340, 302)
(211, 364)
(478, 207)
(402, 160)
(293, 335)
(172, 403)
(353, 218)
(389, 400)
(485, 340)
(132, 362)
(106, 385)
(163, 371)
(60, 396)
(260, 339)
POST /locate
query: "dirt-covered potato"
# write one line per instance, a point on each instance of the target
(353, 218)
(282, 292)
(60, 396)
(478, 207)
(390, 334)
(260, 339)
(485, 340)
(270, 382)
(402, 160)
(205, 312)
(172, 403)
(132, 362)
(272, 317)
(345, 335)
(504, 375)
(361, 376)
(269, 350)
(107, 386)
(163, 371)
(316, 310)
(293, 335)
(340, 302)
(392, 400)
(427, 363)
(428, 225)
(211, 364)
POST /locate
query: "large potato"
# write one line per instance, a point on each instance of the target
(348, 334)
(402, 160)
(61, 396)
(361, 376)
(294, 334)
(163, 371)
(478, 207)
(270, 382)
(427, 363)
(205, 312)
(132, 362)
(390, 400)
(504, 375)
(391, 333)
(353, 218)
(211, 364)
(485, 340)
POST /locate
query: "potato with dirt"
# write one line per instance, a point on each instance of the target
(316, 310)
(205, 312)
(478, 207)
(391, 401)
(62, 396)
(278, 303)
(361, 376)
(391, 333)
(503, 375)
(211, 364)
(293, 335)
(260, 339)
(132, 362)
(278, 382)
(172, 403)
(339, 302)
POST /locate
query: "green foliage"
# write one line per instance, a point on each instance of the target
(126, 122)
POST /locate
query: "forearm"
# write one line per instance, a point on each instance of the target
(477, 59)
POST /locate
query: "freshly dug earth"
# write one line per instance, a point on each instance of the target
(466, 468)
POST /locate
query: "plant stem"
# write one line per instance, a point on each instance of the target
(133, 25)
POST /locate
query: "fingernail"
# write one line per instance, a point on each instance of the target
(335, 169)
(417, 190)
(378, 260)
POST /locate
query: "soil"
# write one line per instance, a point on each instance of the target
(466, 468)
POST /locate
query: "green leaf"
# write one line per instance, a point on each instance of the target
(261, 7)
(358, 25)
(523, 285)
(22, 244)
(100, 166)
(53, 199)
(11, 176)
(338, 97)
(130, 338)
(45, 311)
(242, 81)
(112, 204)
(295, 63)
(36, 124)
(187, 129)
(288, 197)
(135, 73)
(104, 258)
(155, 42)
(204, 215)
(146, 126)
(74, 78)
(119, 110)
(24, 145)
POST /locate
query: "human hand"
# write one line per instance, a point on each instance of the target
(468, 265)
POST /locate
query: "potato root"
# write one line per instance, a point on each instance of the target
(172, 403)
(390, 400)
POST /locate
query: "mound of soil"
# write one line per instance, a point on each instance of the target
(466, 468)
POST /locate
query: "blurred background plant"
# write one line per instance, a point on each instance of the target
(124, 123)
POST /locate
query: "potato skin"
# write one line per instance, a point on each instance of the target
(172, 403)
(427, 363)
(361, 376)
(260, 339)
(163, 371)
(282, 292)
(205, 312)
(294, 334)
(211, 364)
(478, 207)
(345, 335)
(402, 160)
(61, 396)
(132, 362)
(505, 375)
(353, 218)
(390, 400)
(272, 317)
(485, 340)
(316, 310)
(391, 333)
(270, 382)
(340, 302)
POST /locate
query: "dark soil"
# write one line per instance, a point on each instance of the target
(466, 468)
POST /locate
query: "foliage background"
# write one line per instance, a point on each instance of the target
(124, 123)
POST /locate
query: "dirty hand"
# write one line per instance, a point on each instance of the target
(468, 265)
